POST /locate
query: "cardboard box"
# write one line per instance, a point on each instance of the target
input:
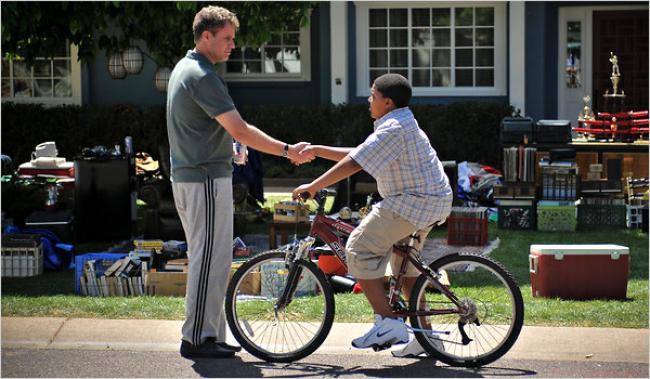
(290, 211)
(166, 283)
(579, 271)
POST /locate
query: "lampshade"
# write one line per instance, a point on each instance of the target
(115, 67)
(133, 60)
(161, 78)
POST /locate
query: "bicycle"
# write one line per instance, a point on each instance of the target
(476, 305)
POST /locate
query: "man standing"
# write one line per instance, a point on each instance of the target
(201, 123)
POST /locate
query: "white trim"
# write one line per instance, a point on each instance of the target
(500, 45)
(517, 55)
(305, 66)
(75, 84)
(339, 51)
(585, 15)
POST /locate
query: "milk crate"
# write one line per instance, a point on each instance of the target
(633, 216)
(559, 183)
(517, 215)
(556, 216)
(597, 212)
(80, 260)
(467, 226)
(22, 255)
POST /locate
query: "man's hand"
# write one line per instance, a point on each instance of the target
(295, 153)
(304, 188)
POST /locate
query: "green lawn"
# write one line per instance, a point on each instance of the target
(52, 294)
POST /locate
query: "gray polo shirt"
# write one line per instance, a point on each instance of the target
(200, 148)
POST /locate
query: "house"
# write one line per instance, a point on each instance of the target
(541, 57)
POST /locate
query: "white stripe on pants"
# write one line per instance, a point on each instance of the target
(206, 212)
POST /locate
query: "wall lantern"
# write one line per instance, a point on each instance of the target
(115, 67)
(161, 78)
(133, 60)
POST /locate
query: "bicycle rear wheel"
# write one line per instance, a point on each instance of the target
(491, 320)
(290, 333)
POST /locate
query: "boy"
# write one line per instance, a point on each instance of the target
(415, 192)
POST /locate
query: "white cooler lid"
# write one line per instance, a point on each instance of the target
(596, 249)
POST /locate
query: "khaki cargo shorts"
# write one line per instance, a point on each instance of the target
(369, 247)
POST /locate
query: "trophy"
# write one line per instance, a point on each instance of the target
(616, 74)
(614, 102)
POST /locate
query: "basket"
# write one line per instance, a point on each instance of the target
(80, 261)
(555, 216)
(517, 215)
(559, 184)
(467, 226)
(20, 262)
(601, 215)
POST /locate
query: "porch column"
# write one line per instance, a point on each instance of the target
(517, 55)
(339, 51)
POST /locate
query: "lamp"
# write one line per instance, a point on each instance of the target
(161, 78)
(116, 67)
(133, 60)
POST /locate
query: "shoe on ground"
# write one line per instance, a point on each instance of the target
(386, 331)
(207, 349)
(414, 349)
(226, 346)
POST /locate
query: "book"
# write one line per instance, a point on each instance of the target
(112, 268)
(176, 264)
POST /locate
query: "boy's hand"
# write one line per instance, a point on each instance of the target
(303, 188)
(310, 151)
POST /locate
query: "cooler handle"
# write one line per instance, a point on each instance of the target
(532, 262)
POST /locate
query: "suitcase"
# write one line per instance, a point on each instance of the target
(516, 130)
(579, 271)
(553, 131)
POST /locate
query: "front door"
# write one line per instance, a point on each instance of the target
(574, 81)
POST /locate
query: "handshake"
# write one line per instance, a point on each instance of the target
(301, 152)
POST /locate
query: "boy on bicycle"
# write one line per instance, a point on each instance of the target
(415, 191)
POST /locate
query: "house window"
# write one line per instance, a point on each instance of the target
(284, 57)
(53, 80)
(458, 49)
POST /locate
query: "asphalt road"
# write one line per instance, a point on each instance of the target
(119, 364)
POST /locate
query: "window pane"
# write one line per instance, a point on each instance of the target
(441, 78)
(43, 68)
(404, 73)
(254, 54)
(464, 16)
(291, 66)
(485, 16)
(374, 74)
(273, 58)
(292, 39)
(441, 37)
(291, 53)
(399, 58)
(378, 17)
(420, 38)
(6, 88)
(43, 88)
(256, 67)
(420, 17)
(441, 58)
(484, 36)
(5, 68)
(22, 87)
(398, 17)
(421, 57)
(378, 58)
(464, 37)
(441, 17)
(464, 58)
(235, 54)
(399, 38)
(276, 40)
(485, 78)
(378, 38)
(485, 57)
(464, 78)
(421, 78)
(62, 68)
(21, 70)
(62, 88)
(234, 66)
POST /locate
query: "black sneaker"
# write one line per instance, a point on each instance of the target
(226, 346)
(207, 349)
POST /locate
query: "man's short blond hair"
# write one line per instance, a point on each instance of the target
(212, 18)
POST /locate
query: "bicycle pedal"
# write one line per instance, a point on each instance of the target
(385, 346)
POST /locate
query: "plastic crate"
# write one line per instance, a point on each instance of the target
(467, 226)
(20, 262)
(633, 216)
(517, 215)
(80, 260)
(556, 216)
(601, 215)
(559, 184)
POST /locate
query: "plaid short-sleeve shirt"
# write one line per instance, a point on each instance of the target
(409, 175)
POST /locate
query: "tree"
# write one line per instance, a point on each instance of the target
(33, 29)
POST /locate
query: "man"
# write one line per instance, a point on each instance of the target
(415, 191)
(201, 124)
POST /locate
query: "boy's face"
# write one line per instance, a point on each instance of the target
(379, 105)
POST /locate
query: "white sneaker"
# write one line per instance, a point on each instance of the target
(387, 331)
(414, 349)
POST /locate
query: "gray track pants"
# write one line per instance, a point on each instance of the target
(206, 212)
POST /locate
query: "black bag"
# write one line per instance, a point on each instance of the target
(553, 131)
(516, 130)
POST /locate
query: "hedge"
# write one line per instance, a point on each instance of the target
(458, 131)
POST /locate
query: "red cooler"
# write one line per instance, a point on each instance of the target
(579, 271)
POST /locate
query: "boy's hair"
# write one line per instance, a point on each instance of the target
(212, 18)
(396, 88)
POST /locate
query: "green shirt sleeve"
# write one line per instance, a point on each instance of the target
(211, 94)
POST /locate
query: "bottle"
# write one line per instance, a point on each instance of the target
(128, 145)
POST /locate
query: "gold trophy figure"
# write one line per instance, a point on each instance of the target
(616, 73)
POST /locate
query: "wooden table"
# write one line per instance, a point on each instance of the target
(286, 228)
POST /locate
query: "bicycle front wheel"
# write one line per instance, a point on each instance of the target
(269, 330)
(489, 318)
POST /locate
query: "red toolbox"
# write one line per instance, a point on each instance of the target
(579, 271)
